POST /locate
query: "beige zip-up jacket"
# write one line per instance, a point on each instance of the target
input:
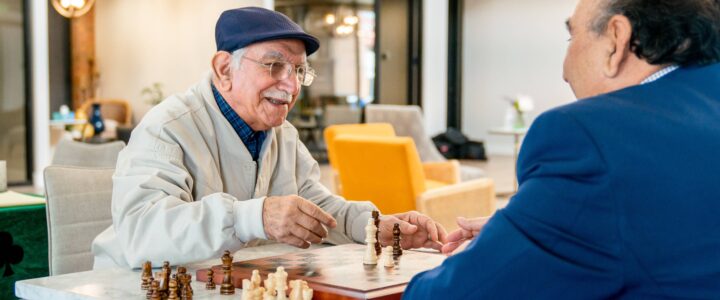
(186, 188)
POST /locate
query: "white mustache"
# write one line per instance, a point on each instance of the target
(278, 95)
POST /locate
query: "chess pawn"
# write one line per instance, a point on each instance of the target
(388, 254)
(258, 293)
(255, 279)
(187, 292)
(181, 272)
(227, 287)
(148, 295)
(146, 275)
(173, 290)
(155, 290)
(268, 295)
(280, 283)
(270, 284)
(296, 292)
(247, 289)
(210, 285)
(370, 257)
(307, 293)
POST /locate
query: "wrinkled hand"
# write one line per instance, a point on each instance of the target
(469, 228)
(295, 221)
(416, 231)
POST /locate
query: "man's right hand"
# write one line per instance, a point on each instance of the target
(469, 228)
(295, 221)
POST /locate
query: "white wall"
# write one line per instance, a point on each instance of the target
(140, 42)
(434, 64)
(510, 47)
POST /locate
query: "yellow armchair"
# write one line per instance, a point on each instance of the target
(387, 171)
(442, 171)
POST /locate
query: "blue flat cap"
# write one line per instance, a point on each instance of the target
(240, 27)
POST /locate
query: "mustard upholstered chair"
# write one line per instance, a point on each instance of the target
(407, 120)
(388, 172)
(444, 171)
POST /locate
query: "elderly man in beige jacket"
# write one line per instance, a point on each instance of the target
(218, 168)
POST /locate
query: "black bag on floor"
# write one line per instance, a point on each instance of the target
(453, 144)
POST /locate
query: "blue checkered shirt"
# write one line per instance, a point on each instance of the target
(253, 140)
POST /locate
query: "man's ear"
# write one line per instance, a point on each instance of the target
(618, 33)
(222, 72)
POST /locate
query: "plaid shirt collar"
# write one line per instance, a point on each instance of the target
(253, 140)
(657, 75)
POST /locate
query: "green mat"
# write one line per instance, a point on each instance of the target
(23, 246)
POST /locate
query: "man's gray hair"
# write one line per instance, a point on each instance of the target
(237, 59)
(607, 9)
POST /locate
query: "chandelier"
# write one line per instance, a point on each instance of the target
(72, 8)
(343, 27)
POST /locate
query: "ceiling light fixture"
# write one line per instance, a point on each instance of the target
(72, 8)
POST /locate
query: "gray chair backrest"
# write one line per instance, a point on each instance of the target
(341, 114)
(407, 120)
(72, 153)
(78, 209)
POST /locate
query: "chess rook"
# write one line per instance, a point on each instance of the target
(146, 276)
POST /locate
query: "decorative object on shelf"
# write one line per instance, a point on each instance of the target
(72, 8)
(96, 120)
(515, 117)
(153, 93)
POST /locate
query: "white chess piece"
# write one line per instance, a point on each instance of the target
(387, 253)
(296, 286)
(255, 279)
(270, 284)
(307, 293)
(370, 257)
(247, 290)
(281, 283)
(258, 293)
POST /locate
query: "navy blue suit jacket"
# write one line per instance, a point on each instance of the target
(619, 198)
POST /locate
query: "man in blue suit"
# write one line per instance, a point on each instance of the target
(619, 192)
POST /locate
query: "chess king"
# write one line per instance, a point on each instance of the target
(618, 194)
(218, 167)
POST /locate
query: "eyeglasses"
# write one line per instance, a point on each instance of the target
(280, 70)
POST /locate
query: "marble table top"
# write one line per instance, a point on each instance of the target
(119, 283)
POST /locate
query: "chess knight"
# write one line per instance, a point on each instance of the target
(219, 167)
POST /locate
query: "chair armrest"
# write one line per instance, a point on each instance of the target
(473, 198)
(443, 171)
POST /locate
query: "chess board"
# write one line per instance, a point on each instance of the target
(337, 272)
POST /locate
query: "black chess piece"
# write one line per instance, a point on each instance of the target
(376, 216)
(146, 276)
(210, 285)
(397, 250)
(227, 287)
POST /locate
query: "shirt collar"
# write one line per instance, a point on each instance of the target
(243, 130)
(657, 75)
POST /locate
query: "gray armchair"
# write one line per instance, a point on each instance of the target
(407, 120)
(72, 153)
(78, 209)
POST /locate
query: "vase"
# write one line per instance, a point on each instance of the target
(519, 121)
(96, 120)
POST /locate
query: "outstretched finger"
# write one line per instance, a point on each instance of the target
(450, 247)
(473, 225)
(317, 213)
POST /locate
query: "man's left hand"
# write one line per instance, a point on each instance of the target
(416, 231)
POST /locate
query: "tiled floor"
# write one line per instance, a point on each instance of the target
(499, 168)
